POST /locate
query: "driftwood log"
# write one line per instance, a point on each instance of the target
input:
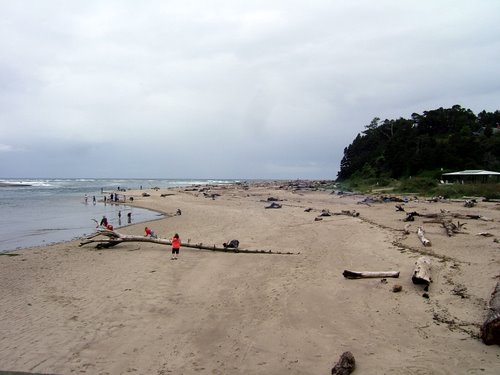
(470, 203)
(352, 213)
(274, 205)
(368, 274)
(421, 236)
(327, 212)
(450, 227)
(490, 330)
(422, 272)
(443, 214)
(406, 230)
(410, 216)
(114, 238)
(345, 365)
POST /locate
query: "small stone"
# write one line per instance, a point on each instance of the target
(397, 288)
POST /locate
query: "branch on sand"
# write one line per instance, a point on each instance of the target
(114, 238)
(369, 274)
(421, 236)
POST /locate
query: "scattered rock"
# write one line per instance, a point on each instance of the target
(397, 288)
(345, 365)
(274, 205)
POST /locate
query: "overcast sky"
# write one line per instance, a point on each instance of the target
(228, 89)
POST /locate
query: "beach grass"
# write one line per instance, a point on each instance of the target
(424, 186)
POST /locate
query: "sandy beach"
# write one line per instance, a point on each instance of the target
(131, 310)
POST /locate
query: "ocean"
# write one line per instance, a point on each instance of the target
(38, 212)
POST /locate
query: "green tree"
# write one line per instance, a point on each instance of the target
(452, 138)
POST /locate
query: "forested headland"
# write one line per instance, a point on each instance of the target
(425, 145)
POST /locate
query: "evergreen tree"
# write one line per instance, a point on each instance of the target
(453, 138)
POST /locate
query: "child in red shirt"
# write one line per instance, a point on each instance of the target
(176, 245)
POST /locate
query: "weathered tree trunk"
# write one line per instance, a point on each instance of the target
(451, 228)
(421, 235)
(367, 274)
(422, 272)
(345, 365)
(115, 238)
(490, 330)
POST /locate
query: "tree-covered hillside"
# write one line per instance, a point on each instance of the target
(447, 139)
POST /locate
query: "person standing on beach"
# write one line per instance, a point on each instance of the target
(176, 246)
(104, 222)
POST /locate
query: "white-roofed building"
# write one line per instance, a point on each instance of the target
(472, 175)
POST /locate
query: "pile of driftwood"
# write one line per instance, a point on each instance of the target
(104, 238)
(440, 217)
(490, 330)
(421, 273)
(445, 218)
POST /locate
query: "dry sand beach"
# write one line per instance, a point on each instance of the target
(131, 310)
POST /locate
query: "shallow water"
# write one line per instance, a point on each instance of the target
(55, 210)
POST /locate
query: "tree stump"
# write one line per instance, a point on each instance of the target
(490, 330)
(345, 365)
(422, 272)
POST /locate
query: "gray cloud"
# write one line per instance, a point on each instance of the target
(229, 89)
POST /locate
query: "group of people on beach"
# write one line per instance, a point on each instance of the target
(175, 241)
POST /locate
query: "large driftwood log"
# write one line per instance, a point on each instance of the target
(345, 365)
(490, 330)
(421, 236)
(114, 238)
(368, 274)
(422, 272)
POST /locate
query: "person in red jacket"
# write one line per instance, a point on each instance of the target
(150, 233)
(176, 246)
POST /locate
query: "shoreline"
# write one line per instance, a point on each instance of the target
(79, 237)
(130, 308)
